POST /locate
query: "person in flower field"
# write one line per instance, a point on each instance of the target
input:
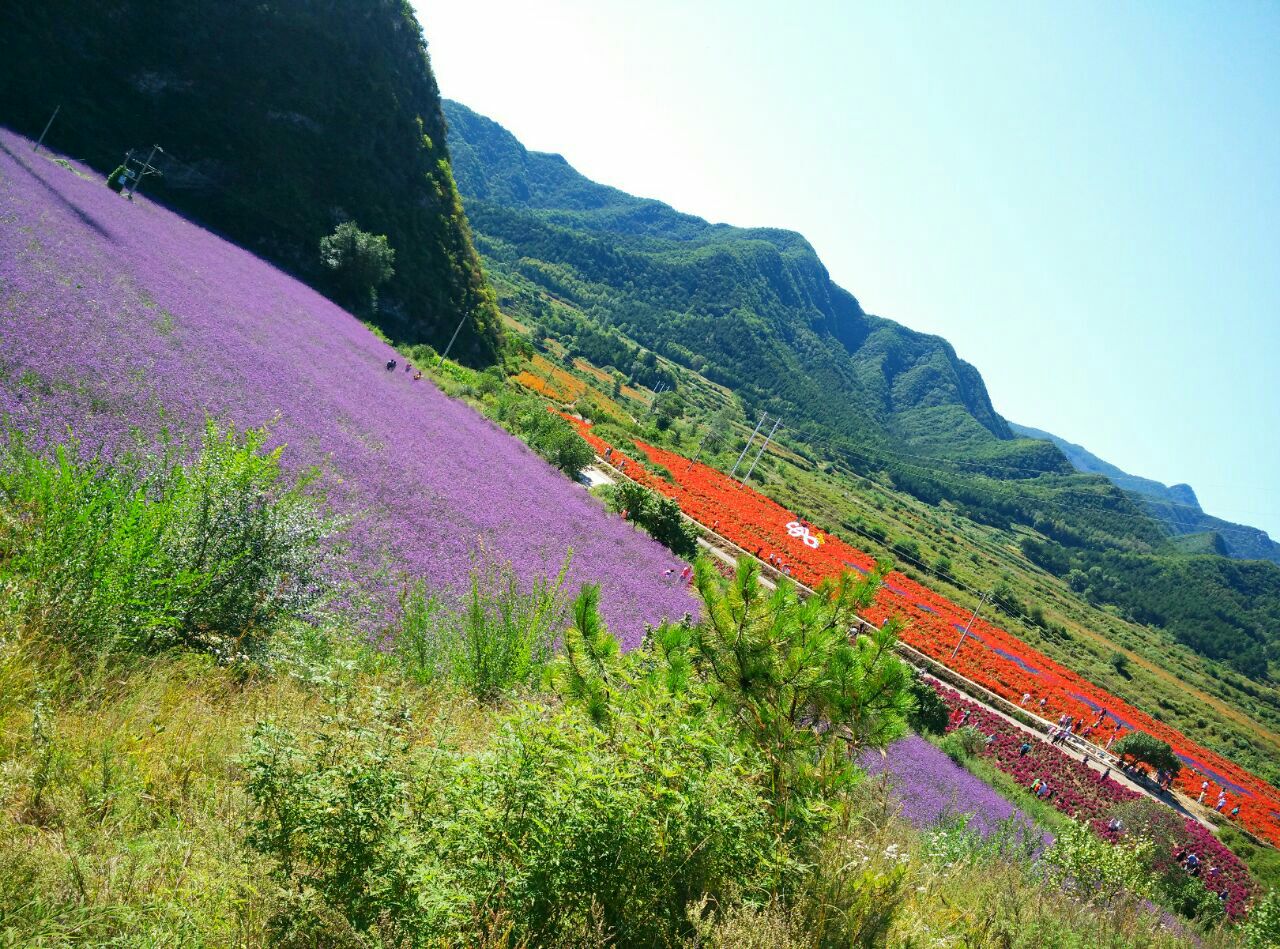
(1026, 697)
(1204, 789)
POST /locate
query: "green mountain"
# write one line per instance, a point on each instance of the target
(753, 309)
(616, 279)
(1175, 506)
(278, 120)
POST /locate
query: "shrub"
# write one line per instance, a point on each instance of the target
(555, 822)
(1095, 870)
(360, 262)
(545, 432)
(963, 743)
(1263, 926)
(211, 551)
(930, 714)
(495, 640)
(658, 515)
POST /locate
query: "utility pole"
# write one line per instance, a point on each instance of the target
(747, 476)
(147, 169)
(40, 141)
(763, 416)
(711, 435)
(451, 339)
(965, 632)
(653, 403)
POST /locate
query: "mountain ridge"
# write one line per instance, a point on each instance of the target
(1176, 506)
(766, 285)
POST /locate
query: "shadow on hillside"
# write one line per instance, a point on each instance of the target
(85, 217)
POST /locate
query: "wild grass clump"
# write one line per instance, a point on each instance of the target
(496, 640)
(472, 787)
(206, 547)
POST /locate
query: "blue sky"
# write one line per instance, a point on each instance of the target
(1083, 198)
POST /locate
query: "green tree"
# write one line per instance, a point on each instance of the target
(667, 407)
(360, 262)
(930, 713)
(1141, 747)
(787, 674)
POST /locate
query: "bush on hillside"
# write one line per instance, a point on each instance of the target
(658, 515)
(360, 263)
(929, 714)
(210, 549)
(547, 433)
(1138, 746)
(554, 828)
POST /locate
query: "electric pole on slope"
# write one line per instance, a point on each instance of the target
(136, 176)
(965, 632)
(711, 436)
(451, 339)
(40, 141)
(763, 416)
(747, 476)
(653, 403)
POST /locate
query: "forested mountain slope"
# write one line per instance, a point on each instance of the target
(608, 275)
(278, 119)
(751, 308)
(1175, 506)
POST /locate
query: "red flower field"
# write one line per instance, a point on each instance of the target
(989, 655)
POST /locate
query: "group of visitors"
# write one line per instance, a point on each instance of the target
(1040, 788)
(1222, 799)
(686, 575)
(391, 367)
(1188, 860)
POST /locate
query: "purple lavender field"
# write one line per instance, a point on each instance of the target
(929, 785)
(111, 312)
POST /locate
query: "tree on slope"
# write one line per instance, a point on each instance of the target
(1141, 747)
(360, 263)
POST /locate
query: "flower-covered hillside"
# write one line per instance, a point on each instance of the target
(929, 786)
(987, 654)
(112, 312)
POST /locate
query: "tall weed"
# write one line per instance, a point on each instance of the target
(210, 549)
(497, 639)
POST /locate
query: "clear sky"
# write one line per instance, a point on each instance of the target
(1084, 198)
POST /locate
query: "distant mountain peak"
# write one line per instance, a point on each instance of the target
(1175, 506)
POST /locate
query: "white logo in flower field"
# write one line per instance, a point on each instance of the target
(796, 529)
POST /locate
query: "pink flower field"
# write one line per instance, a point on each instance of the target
(112, 313)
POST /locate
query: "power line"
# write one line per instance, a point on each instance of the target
(763, 446)
(763, 416)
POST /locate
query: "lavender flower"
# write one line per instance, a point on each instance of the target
(111, 312)
(930, 786)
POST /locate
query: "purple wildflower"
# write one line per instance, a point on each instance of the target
(110, 310)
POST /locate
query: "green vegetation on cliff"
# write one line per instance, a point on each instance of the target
(278, 120)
